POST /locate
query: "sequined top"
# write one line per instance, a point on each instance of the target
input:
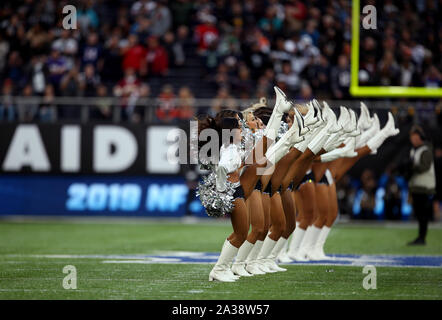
(230, 161)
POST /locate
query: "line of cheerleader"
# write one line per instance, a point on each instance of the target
(275, 176)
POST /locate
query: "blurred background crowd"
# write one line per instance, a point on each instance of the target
(184, 57)
(175, 51)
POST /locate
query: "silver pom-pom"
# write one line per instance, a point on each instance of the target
(247, 142)
(259, 133)
(217, 204)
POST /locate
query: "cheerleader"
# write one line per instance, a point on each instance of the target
(231, 172)
(305, 196)
(284, 156)
(262, 256)
(252, 265)
(257, 216)
(348, 123)
(371, 138)
(257, 259)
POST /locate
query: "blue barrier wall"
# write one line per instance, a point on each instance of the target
(96, 196)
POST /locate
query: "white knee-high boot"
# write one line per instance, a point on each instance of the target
(388, 131)
(309, 239)
(298, 236)
(221, 271)
(271, 260)
(281, 105)
(315, 232)
(265, 252)
(319, 247)
(239, 265)
(362, 139)
(252, 264)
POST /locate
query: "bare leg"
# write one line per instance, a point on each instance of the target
(266, 207)
(298, 169)
(340, 166)
(308, 195)
(277, 217)
(298, 204)
(322, 203)
(239, 223)
(257, 218)
(289, 210)
(333, 205)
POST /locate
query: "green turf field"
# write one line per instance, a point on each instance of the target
(26, 274)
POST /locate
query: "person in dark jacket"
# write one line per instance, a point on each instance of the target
(422, 181)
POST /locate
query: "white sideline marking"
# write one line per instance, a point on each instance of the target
(188, 257)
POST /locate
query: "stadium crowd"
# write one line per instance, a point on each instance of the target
(241, 49)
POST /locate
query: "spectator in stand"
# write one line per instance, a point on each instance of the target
(134, 54)
(57, 67)
(37, 74)
(365, 200)
(206, 32)
(14, 68)
(186, 104)
(89, 81)
(181, 12)
(143, 7)
(242, 83)
(433, 78)
(47, 109)
(340, 78)
(142, 28)
(128, 90)
(407, 71)
(279, 54)
(91, 52)
(167, 110)
(139, 110)
(318, 75)
(288, 79)
(271, 23)
(38, 39)
(87, 18)
(387, 70)
(175, 50)
(27, 111)
(103, 109)
(4, 50)
(110, 66)
(222, 78)
(296, 13)
(70, 86)
(67, 45)
(223, 99)
(311, 31)
(161, 19)
(71, 83)
(7, 109)
(306, 93)
(256, 60)
(156, 62)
